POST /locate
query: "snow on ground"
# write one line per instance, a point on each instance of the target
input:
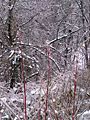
(85, 116)
(36, 95)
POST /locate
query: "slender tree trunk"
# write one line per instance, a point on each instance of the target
(10, 43)
(10, 24)
(89, 37)
(84, 30)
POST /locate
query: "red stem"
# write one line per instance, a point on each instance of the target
(49, 75)
(75, 86)
(39, 115)
(23, 79)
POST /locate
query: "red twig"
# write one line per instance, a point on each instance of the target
(39, 112)
(49, 75)
(39, 115)
(23, 79)
(75, 86)
(56, 116)
(61, 118)
(25, 107)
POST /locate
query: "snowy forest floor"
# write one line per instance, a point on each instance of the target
(60, 99)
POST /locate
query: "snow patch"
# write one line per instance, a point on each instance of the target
(85, 116)
(4, 99)
(11, 53)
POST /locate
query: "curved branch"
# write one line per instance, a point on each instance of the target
(39, 50)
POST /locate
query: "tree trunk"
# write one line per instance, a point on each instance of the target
(10, 24)
(84, 30)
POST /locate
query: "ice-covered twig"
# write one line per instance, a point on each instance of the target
(11, 110)
(65, 36)
(49, 58)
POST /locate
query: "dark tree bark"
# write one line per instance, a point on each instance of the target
(10, 24)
